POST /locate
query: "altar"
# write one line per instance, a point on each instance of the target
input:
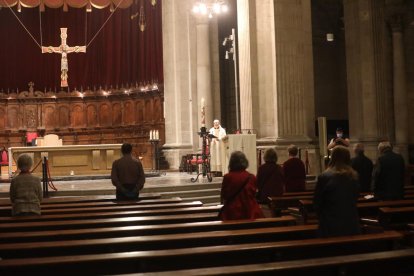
(70, 159)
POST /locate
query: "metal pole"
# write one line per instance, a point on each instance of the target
(236, 86)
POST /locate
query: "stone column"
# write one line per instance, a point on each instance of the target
(204, 71)
(368, 85)
(399, 85)
(180, 88)
(294, 100)
(246, 56)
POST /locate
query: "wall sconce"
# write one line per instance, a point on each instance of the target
(330, 37)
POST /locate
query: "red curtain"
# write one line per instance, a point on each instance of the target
(119, 56)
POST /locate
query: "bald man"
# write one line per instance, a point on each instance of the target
(363, 165)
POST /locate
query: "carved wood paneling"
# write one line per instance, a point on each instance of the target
(30, 114)
(105, 114)
(49, 117)
(140, 111)
(77, 116)
(2, 118)
(116, 114)
(13, 117)
(129, 113)
(91, 115)
(64, 121)
(82, 121)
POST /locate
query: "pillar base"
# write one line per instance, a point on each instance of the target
(174, 152)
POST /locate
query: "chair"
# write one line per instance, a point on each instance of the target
(4, 159)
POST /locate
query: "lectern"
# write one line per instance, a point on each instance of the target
(245, 143)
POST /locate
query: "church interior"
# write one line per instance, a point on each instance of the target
(80, 78)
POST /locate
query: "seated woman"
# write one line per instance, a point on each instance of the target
(270, 179)
(238, 191)
(336, 196)
(25, 189)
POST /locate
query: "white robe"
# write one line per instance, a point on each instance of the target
(217, 149)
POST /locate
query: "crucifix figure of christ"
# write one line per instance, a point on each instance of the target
(64, 50)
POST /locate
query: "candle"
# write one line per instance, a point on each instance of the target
(157, 135)
(150, 134)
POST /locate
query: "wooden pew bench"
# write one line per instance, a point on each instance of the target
(145, 230)
(395, 262)
(82, 199)
(204, 256)
(121, 214)
(154, 242)
(365, 209)
(109, 222)
(6, 210)
(122, 207)
(397, 217)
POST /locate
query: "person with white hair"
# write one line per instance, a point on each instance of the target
(25, 189)
(217, 147)
(388, 176)
(363, 166)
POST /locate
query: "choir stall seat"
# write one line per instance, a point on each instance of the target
(4, 159)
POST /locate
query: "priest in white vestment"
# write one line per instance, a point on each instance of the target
(217, 147)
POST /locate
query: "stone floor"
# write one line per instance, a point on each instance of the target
(169, 179)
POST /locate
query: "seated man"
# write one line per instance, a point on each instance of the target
(25, 189)
(127, 175)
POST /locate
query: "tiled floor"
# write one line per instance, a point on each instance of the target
(169, 179)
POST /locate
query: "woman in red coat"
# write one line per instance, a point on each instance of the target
(238, 191)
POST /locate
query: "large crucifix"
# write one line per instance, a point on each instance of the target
(64, 49)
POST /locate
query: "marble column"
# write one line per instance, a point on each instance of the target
(246, 59)
(180, 80)
(204, 91)
(294, 71)
(276, 74)
(399, 85)
(370, 112)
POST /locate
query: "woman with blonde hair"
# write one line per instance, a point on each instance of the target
(336, 196)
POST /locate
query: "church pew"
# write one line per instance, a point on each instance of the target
(396, 217)
(366, 209)
(120, 214)
(6, 211)
(122, 208)
(82, 199)
(279, 203)
(395, 262)
(109, 222)
(152, 242)
(113, 232)
(204, 256)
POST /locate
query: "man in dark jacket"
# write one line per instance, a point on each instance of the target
(363, 166)
(388, 176)
(127, 175)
